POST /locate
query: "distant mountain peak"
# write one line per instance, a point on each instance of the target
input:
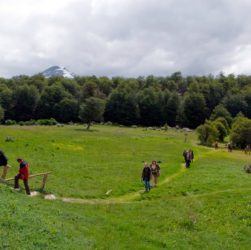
(57, 71)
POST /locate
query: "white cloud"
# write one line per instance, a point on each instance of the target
(125, 37)
(240, 61)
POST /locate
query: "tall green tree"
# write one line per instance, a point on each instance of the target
(51, 96)
(72, 87)
(171, 109)
(122, 108)
(194, 110)
(25, 102)
(90, 89)
(1, 113)
(241, 132)
(105, 85)
(247, 96)
(221, 111)
(7, 102)
(92, 110)
(67, 110)
(150, 103)
(213, 94)
(222, 131)
(235, 103)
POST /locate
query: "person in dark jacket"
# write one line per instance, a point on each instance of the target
(185, 154)
(191, 155)
(230, 147)
(146, 177)
(4, 163)
(23, 174)
(187, 158)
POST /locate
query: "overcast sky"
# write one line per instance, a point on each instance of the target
(125, 37)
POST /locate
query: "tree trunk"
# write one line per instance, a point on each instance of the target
(88, 125)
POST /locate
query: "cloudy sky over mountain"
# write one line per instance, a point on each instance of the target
(125, 37)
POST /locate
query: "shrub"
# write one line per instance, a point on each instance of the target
(247, 168)
(241, 132)
(9, 139)
(222, 132)
(30, 122)
(10, 122)
(27, 123)
(208, 133)
(224, 122)
(221, 111)
(47, 122)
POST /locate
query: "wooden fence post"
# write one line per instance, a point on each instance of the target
(44, 181)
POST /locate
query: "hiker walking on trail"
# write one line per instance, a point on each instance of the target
(187, 158)
(23, 174)
(4, 163)
(146, 177)
(230, 147)
(247, 149)
(191, 155)
(155, 169)
(185, 154)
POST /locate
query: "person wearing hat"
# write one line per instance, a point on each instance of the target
(4, 163)
(23, 174)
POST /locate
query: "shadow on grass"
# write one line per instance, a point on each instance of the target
(86, 130)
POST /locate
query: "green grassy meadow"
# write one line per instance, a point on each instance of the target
(205, 207)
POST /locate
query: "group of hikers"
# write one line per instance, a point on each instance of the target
(188, 157)
(23, 173)
(150, 173)
(229, 146)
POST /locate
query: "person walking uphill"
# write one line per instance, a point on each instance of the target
(23, 174)
(4, 163)
(146, 176)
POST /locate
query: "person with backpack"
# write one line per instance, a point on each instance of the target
(191, 155)
(23, 174)
(4, 163)
(247, 149)
(146, 177)
(155, 170)
(230, 147)
(187, 158)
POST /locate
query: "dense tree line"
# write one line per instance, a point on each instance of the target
(147, 101)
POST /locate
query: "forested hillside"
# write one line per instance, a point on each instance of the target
(147, 101)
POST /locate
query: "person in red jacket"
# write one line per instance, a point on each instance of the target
(23, 174)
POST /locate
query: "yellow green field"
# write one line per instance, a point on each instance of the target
(100, 202)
